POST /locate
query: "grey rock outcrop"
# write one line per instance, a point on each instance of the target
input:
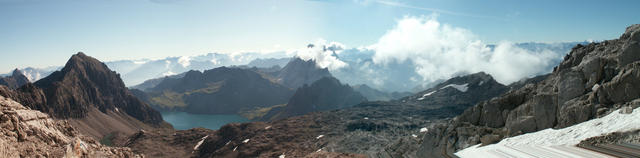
(592, 81)
(31, 133)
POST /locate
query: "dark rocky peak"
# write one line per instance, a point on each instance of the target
(84, 67)
(14, 81)
(459, 92)
(299, 72)
(326, 93)
(85, 83)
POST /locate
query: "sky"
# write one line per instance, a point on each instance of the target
(40, 33)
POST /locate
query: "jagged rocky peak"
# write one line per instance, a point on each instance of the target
(326, 93)
(85, 83)
(593, 80)
(459, 92)
(299, 72)
(14, 81)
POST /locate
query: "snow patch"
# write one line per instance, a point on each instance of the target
(281, 156)
(595, 87)
(268, 127)
(234, 149)
(565, 137)
(200, 142)
(414, 135)
(366, 118)
(245, 141)
(459, 87)
(423, 129)
(481, 82)
(320, 136)
(425, 95)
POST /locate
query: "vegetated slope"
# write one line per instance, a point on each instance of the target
(592, 80)
(14, 81)
(89, 95)
(221, 90)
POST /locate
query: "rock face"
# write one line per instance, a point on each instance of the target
(324, 94)
(14, 81)
(217, 91)
(592, 80)
(375, 95)
(299, 72)
(31, 133)
(85, 83)
(459, 92)
(90, 96)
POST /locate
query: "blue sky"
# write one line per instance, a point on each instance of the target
(45, 32)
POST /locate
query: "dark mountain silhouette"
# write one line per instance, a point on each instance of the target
(376, 95)
(324, 94)
(299, 72)
(14, 81)
(217, 91)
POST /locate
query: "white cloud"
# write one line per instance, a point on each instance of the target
(184, 61)
(322, 52)
(440, 51)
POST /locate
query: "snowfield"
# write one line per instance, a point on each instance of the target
(459, 87)
(558, 142)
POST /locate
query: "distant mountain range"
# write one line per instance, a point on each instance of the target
(221, 90)
(388, 78)
(14, 81)
(403, 77)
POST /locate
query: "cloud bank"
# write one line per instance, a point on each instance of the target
(324, 53)
(440, 51)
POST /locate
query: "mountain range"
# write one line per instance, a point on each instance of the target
(85, 109)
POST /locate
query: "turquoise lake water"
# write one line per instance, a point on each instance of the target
(183, 120)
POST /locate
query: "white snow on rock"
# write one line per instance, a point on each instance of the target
(459, 87)
(234, 149)
(425, 95)
(267, 127)
(481, 82)
(281, 156)
(245, 141)
(563, 138)
(320, 136)
(200, 142)
(415, 136)
(595, 87)
(366, 118)
(424, 129)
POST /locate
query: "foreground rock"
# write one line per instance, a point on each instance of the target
(31, 133)
(591, 81)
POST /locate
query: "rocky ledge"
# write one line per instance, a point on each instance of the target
(592, 81)
(31, 133)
